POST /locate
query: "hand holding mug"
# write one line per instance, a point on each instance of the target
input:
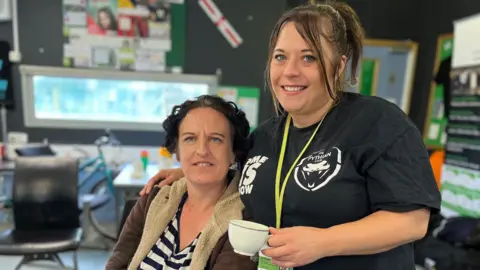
(296, 246)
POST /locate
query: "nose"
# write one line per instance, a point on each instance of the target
(202, 147)
(291, 68)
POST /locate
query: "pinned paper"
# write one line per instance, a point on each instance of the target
(250, 107)
(228, 94)
(221, 22)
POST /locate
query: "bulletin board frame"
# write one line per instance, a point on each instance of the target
(121, 49)
(410, 67)
(436, 96)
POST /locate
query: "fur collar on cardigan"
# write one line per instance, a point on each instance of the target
(165, 205)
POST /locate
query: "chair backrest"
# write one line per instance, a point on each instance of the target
(129, 204)
(35, 151)
(45, 193)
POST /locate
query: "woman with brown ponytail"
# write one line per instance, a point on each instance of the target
(343, 180)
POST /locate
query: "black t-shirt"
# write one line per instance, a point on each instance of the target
(366, 156)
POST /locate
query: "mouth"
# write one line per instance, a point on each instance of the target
(293, 88)
(203, 164)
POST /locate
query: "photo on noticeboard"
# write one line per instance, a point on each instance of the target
(465, 81)
(102, 17)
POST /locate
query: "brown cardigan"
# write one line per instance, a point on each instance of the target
(151, 215)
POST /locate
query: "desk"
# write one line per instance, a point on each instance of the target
(125, 180)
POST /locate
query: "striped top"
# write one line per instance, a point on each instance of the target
(165, 253)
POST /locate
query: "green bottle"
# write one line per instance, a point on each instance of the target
(144, 158)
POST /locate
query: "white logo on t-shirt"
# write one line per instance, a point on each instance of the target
(249, 172)
(316, 170)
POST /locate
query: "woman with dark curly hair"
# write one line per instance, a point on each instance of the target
(184, 226)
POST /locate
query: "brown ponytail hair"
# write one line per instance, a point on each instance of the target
(344, 32)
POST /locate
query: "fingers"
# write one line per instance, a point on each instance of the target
(276, 241)
(147, 188)
(151, 183)
(165, 177)
(278, 253)
(274, 230)
(167, 181)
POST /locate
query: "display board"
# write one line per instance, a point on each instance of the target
(369, 77)
(463, 129)
(387, 70)
(460, 179)
(140, 35)
(436, 121)
(246, 98)
(460, 192)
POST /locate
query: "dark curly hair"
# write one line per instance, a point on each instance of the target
(238, 123)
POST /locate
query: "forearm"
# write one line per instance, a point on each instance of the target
(379, 232)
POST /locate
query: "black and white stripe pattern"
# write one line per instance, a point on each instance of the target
(165, 254)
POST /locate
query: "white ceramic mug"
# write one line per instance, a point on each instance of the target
(247, 238)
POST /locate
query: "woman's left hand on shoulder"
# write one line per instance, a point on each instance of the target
(296, 246)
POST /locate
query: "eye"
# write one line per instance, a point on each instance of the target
(216, 140)
(309, 58)
(189, 139)
(279, 57)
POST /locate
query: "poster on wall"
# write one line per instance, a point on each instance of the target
(246, 98)
(460, 180)
(460, 192)
(436, 120)
(463, 130)
(118, 34)
(386, 71)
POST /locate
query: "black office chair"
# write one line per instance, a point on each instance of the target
(45, 210)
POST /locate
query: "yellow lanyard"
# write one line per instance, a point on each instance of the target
(280, 193)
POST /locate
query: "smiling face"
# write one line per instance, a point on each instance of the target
(205, 148)
(295, 75)
(104, 20)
